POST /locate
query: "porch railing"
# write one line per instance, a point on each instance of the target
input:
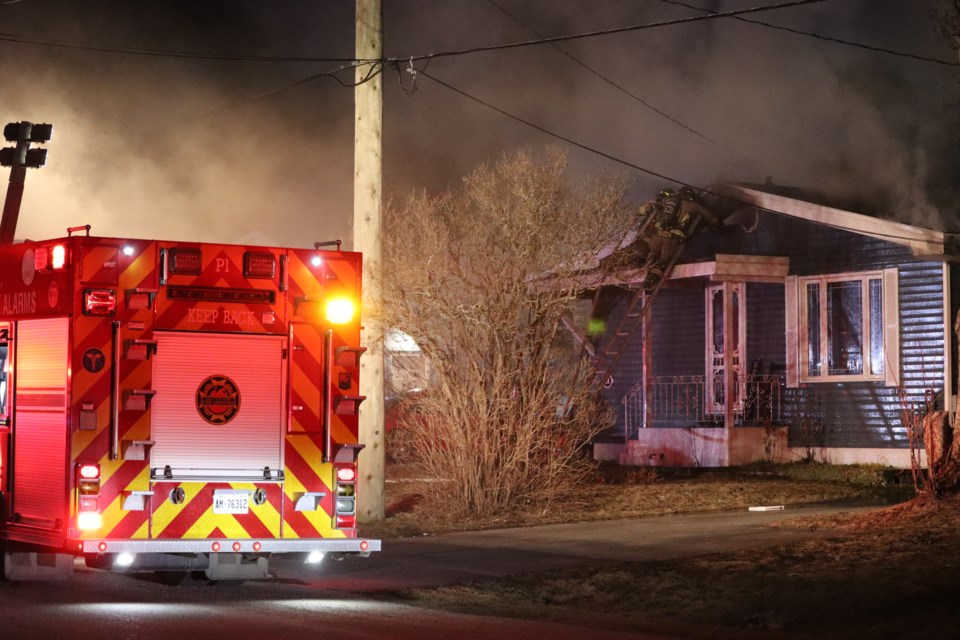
(681, 401)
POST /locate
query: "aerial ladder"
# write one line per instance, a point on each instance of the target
(605, 355)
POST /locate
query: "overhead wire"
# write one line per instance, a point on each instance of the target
(708, 14)
(818, 36)
(607, 32)
(616, 85)
(375, 69)
(166, 53)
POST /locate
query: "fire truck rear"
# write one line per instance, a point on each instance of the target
(175, 407)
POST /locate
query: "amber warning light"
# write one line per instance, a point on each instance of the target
(339, 310)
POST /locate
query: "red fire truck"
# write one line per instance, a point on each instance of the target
(177, 406)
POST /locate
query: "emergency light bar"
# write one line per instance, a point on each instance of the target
(54, 257)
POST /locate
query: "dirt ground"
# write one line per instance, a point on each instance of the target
(881, 574)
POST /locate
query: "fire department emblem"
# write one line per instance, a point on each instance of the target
(218, 399)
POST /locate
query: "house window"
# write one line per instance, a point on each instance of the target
(846, 326)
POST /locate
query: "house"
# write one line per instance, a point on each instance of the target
(794, 331)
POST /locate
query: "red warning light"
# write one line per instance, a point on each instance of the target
(99, 302)
(89, 471)
(59, 257)
(346, 474)
(186, 262)
(258, 264)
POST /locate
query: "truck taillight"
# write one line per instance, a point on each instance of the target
(89, 520)
(346, 509)
(88, 497)
(99, 302)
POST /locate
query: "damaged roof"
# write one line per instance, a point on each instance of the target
(921, 241)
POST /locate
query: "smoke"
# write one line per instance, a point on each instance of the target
(166, 148)
(174, 148)
(852, 126)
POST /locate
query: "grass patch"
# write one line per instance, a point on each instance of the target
(886, 574)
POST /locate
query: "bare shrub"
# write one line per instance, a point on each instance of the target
(642, 476)
(506, 418)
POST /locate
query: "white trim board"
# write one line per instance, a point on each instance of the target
(922, 242)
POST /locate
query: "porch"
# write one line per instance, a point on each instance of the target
(703, 401)
(681, 421)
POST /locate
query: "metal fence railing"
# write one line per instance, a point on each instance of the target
(681, 401)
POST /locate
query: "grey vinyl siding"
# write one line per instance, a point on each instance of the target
(678, 332)
(628, 370)
(954, 275)
(677, 326)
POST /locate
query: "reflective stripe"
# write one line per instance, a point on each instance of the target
(351, 545)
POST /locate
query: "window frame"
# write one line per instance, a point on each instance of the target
(797, 319)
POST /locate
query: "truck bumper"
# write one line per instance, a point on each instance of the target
(350, 545)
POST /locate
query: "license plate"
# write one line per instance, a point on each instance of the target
(231, 501)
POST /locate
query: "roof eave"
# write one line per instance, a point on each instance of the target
(922, 242)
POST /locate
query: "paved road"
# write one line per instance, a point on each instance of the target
(347, 600)
(471, 556)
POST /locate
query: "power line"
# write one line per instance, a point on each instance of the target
(552, 134)
(374, 70)
(606, 32)
(810, 34)
(614, 84)
(163, 53)
(621, 161)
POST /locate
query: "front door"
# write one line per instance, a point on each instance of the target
(716, 341)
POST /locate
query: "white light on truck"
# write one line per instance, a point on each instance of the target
(315, 557)
(124, 559)
(89, 520)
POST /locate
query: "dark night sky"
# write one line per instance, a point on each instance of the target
(176, 148)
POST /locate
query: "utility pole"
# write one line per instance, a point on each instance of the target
(367, 203)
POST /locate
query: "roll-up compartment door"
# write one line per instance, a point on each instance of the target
(219, 405)
(40, 421)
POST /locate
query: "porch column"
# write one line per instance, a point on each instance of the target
(728, 380)
(647, 361)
